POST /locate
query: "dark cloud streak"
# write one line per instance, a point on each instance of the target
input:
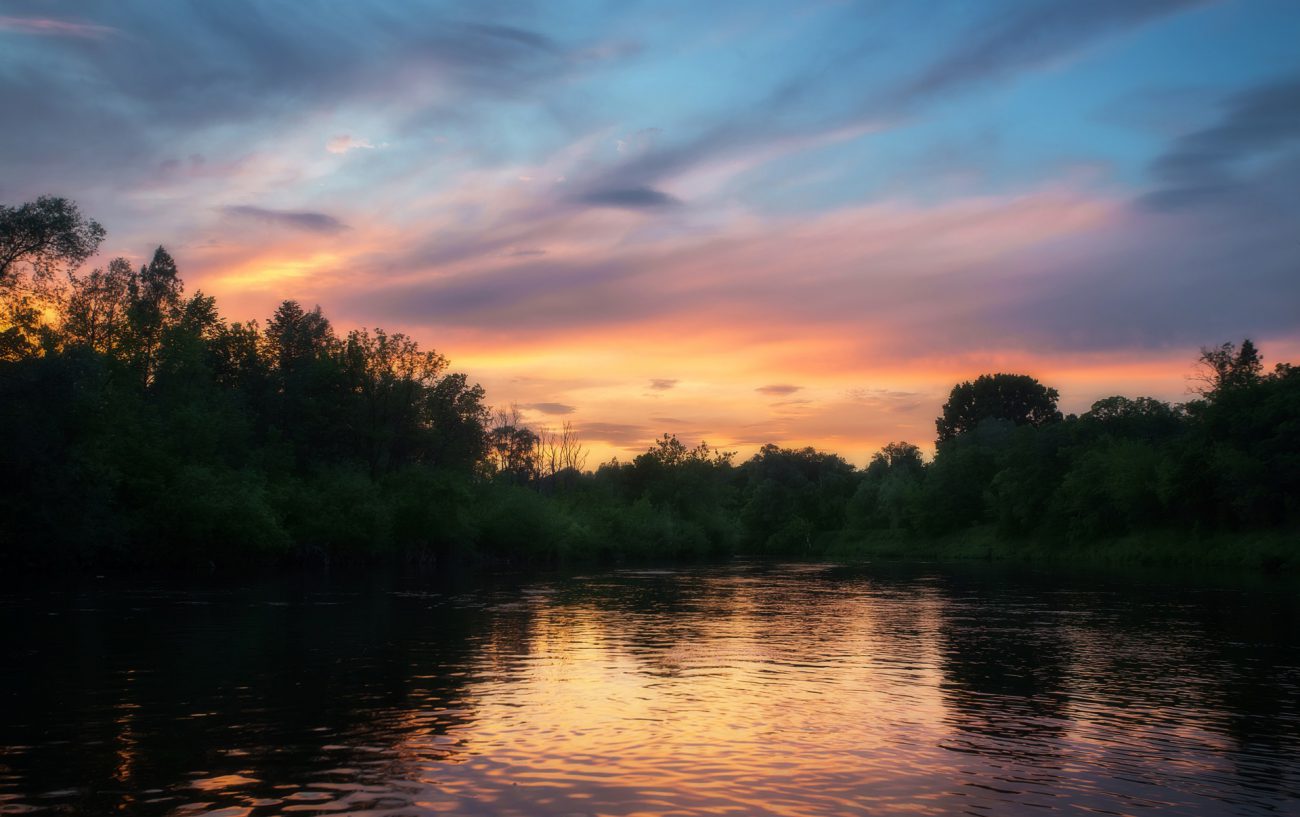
(296, 220)
(630, 198)
(778, 389)
(1206, 164)
(550, 408)
(1030, 36)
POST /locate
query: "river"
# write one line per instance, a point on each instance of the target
(750, 688)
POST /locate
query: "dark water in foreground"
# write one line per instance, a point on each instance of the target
(749, 689)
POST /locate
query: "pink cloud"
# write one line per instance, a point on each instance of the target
(344, 143)
(49, 27)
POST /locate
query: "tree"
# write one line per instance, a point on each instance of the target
(1226, 368)
(560, 453)
(512, 448)
(670, 452)
(96, 314)
(457, 420)
(297, 337)
(898, 456)
(155, 305)
(1015, 397)
(390, 375)
(45, 234)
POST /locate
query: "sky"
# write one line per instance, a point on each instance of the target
(740, 222)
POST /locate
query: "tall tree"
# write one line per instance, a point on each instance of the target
(155, 305)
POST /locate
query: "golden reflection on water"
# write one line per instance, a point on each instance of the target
(750, 698)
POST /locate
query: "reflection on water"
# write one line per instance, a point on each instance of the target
(745, 689)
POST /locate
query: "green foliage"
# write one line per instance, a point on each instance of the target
(140, 427)
(514, 523)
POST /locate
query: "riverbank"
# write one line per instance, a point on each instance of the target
(1269, 551)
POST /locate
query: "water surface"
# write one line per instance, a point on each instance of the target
(747, 689)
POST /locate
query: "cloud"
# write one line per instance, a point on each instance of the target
(1255, 124)
(883, 260)
(516, 36)
(242, 71)
(630, 198)
(49, 27)
(888, 399)
(797, 114)
(662, 383)
(1034, 35)
(550, 408)
(519, 297)
(1167, 275)
(778, 389)
(622, 435)
(295, 220)
(343, 143)
(670, 421)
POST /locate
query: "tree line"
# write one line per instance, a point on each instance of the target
(140, 427)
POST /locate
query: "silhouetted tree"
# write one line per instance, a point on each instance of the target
(901, 456)
(296, 337)
(155, 305)
(1015, 397)
(512, 449)
(46, 234)
(1226, 367)
(99, 306)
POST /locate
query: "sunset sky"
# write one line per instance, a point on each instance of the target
(742, 222)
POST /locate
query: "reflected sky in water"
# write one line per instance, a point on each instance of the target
(751, 688)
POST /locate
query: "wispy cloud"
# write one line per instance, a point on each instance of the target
(550, 408)
(778, 389)
(1033, 35)
(345, 142)
(293, 219)
(50, 27)
(1254, 125)
(619, 435)
(630, 198)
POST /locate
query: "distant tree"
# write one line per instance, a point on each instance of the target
(890, 485)
(902, 455)
(1227, 367)
(1139, 417)
(238, 362)
(512, 448)
(458, 422)
(155, 305)
(46, 234)
(98, 306)
(560, 453)
(670, 452)
(296, 337)
(1015, 397)
(1124, 408)
(389, 374)
(794, 495)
